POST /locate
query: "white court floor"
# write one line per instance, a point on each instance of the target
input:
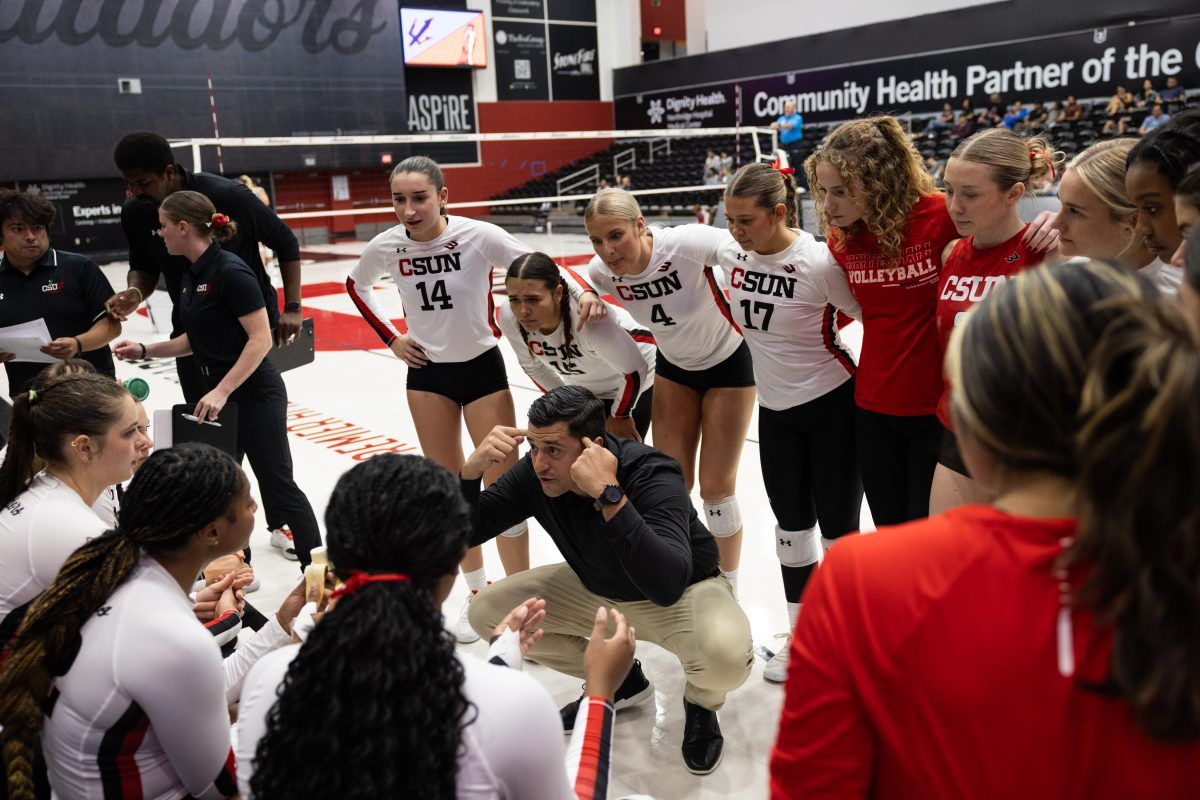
(354, 380)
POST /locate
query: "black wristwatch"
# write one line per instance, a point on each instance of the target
(611, 495)
(291, 305)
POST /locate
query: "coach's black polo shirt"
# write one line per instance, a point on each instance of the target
(255, 223)
(218, 289)
(67, 290)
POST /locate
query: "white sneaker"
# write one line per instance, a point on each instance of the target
(282, 538)
(776, 669)
(463, 632)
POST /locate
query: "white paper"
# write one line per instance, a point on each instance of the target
(24, 341)
(162, 428)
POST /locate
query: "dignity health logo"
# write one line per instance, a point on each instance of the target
(655, 111)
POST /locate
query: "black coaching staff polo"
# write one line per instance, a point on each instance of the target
(68, 291)
(216, 292)
(255, 223)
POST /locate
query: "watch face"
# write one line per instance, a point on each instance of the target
(611, 494)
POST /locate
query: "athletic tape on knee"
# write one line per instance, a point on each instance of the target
(797, 548)
(723, 517)
(519, 529)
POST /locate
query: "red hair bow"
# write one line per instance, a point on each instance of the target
(782, 170)
(357, 580)
(219, 220)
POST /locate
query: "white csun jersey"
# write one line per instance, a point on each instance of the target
(785, 305)
(613, 357)
(445, 285)
(677, 296)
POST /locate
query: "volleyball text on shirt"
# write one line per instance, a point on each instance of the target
(785, 305)
(613, 356)
(677, 296)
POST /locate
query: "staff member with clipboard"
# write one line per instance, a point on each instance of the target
(66, 290)
(223, 314)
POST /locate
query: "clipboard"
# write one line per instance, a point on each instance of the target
(301, 351)
(222, 434)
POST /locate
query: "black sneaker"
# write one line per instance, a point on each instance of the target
(634, 689)
(703, 743)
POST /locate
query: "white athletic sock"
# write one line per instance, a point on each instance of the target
(793, 615)
(476, 580)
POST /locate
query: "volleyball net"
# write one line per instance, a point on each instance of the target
(670, 171)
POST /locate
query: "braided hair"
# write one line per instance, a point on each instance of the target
(1172, 149)
(540, 267)
(176, 494)
(381, 665)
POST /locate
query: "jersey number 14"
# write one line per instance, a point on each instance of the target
(439, 295)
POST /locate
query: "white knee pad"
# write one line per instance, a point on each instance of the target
(520, 529)
(797, 548)
(723, 517)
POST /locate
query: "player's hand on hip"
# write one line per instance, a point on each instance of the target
(409, 351)
(594, 469)
(501, 442)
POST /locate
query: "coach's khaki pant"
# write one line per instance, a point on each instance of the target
(706, 629)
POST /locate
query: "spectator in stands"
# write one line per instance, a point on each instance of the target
(626, 183)
(1038, 118)
(936, 167)
(1118, 111)
(726, 161)
(993, 115)
(712, 177)
(712, 161)
(1173, 97)
(791, 130)
(1015, 119)
(967, 108)
(965, 126)
(1081, 565)
(1071, 110)
(602, 185)
(722, 179)
(1147, 97)
(941, 121)
(1154, 120)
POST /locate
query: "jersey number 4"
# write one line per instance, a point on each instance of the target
(750, 310)
(439, 295)
(658, 315)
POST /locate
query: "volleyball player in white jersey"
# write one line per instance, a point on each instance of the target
(130, 703)
(85, 428)
(785, 288)
(613, 357)
(704, 381)
(442, 267)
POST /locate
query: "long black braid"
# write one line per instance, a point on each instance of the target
(373, 704)
(1173, 148)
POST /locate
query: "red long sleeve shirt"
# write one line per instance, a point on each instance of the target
(925, 665)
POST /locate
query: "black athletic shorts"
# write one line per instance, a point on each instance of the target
(464, 382)
(949, 456)
(734, 372)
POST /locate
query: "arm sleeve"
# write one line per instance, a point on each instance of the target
(500, 247)
(538, 371)
(576, 284)
(240, 290)
(225, 628)
(270, 637)
(589, 755)
(595, 274)
(139, 257)
(499, 507)
(825, 747)
(704, 242)
(837, 288)
(58, 532)
(617, 348)
(259, 694)
(358, 286)
(175, 677)
(268, 227)
(651, 533)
